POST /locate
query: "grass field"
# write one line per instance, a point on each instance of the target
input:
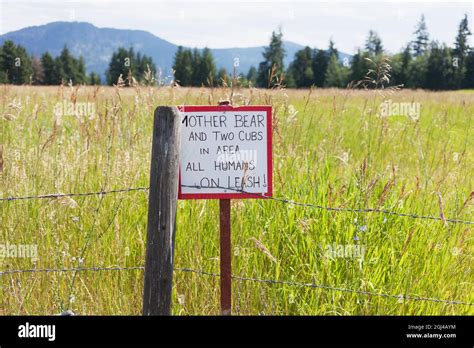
(331, 148)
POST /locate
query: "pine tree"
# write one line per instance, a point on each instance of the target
(400, 68)
(468, 81)
(359, 66)
(252, 76)
(94, 79)
(461, 45)
(373, 44)
(80, 75)
(336, 74)
(16, 64)
(222, 78)
(65, 66)
(120, 64)
(197, 78)
(188, 68)
(207, 68)
(301, 69)
(420, 43)
(460, 52)
(3, 75)
(49, 70)
(178, 65)
(320, 65)
(332, 50)
(272, 61)
(183, 67)
(439, 73)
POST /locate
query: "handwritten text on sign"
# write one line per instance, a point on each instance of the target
(225, 152)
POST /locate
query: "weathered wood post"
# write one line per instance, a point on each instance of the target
(162, 199)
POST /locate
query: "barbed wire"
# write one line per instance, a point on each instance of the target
(336, 209)
(59, 195)
(240, 278)
(257, 195)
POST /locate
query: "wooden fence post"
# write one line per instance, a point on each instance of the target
(162, 204)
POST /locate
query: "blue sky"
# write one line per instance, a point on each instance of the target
(246, 23)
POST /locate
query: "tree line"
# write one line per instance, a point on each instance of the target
(125, 67)
(422, 63)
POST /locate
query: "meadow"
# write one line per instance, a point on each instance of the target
(331, 148)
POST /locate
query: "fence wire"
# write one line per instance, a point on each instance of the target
(257, 195)
(401, 298)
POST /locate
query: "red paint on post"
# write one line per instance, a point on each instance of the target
(225, 256)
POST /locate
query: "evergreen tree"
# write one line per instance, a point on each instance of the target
(460, 52)
(16, 64)
(272, 61)
(252, 76)
(120, 64)
(188, 68)
(336, 75)
(417, 69)
(420, 43)
(301, 69)
(49, 70)
(290, 81)
(65, 66)
(207, 68)
(146, 70)
(468, 80)
(461, 45)
(400, 68)
(359, 66)
(196, 79)
(80, 75)
(3, 75)
(373, 44)
(94, 79)
(178, 65)
(320, 64)
(439, 72)
(222, 78)
(332, 50)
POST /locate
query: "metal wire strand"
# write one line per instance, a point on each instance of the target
(240, 278)
(257, 195)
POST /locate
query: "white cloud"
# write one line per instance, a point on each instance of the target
(249, 23)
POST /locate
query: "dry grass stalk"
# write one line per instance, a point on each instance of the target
(262, 248)
(441, 210)
(467, 201)
(1, 158)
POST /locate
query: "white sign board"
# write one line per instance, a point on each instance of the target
(226, 152)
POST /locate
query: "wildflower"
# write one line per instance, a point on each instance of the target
(455, 251)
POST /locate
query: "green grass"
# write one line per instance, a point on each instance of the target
(330, 149)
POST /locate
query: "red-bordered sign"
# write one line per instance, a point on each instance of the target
(218, 165)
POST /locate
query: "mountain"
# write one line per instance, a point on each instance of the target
(96, 45)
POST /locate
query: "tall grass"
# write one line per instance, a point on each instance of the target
(330, 148)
